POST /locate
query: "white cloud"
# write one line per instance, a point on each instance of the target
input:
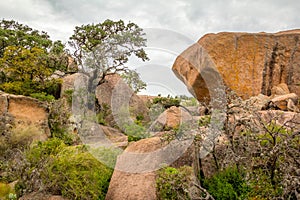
(191, 18)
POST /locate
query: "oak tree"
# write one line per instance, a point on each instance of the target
(104, 48)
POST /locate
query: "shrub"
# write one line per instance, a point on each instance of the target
(69, 96)
(43, 150)
(189, 101)
(167, 102)
(59, 122)
(43, 96)
(261, 186)
(4, 190)
(76, 174)
(135, 132)
(107, 156)
(227, 184)
(19, 137)
(70, 171)
(34, 163)
(103, 114)
(204, 120)
(172, 183)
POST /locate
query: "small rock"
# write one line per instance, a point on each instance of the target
(291, 106)
(171, 118)
(281, 101)
(203, 110)
(259, 102)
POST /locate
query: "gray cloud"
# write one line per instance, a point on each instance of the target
(191, 19)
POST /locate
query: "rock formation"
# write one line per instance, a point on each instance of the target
(171, 118)
(118, 96)
(21, 110)
(141, 185)
(248, 63)
(126, 185)
(115, 136)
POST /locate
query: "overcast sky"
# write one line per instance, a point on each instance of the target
(181, 21)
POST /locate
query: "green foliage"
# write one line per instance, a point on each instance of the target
(167, 102)
(261, 186)
(188, 101)
(27, 71)
(101, 118)
(132, 78)
(278, 147)
(43, 96)
(28, 58)
(69, 96)
(139, 119)
(14, 34)
(227, 184)
(41, 151)
(204, 120)
(67, 170)
(103, 114)
(107, 156)
(6, 192)
(19, 137)
(76, 174)
(110, 43)
(173, 184)
(59, 122)
(135, 132)
(36, 158)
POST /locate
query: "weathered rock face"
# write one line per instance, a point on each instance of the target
(287, 119)
(128, 184)
(250, 64)
(68, 82)
(280, 89)
(115, 136)
(21, 110)
(171, 118)
(286, 102)
(116, 94)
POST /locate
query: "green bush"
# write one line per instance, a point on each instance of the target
(188, 101)
(227, 184)
(101, 118)
(70, 171)
(261, 186)
(204, 120)
(43, 96)
(48, 91)
(76, 174)
(135, 132)
(167, 102)
(172, 183)
(103, 114)
(4, 190)
(43, 150)
(107, 156)
(69, 96)
(59, 123)
(19, 137)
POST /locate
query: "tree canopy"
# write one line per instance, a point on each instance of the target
(132, 78)
(14, 34)
(28, 58)
(105, 48)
